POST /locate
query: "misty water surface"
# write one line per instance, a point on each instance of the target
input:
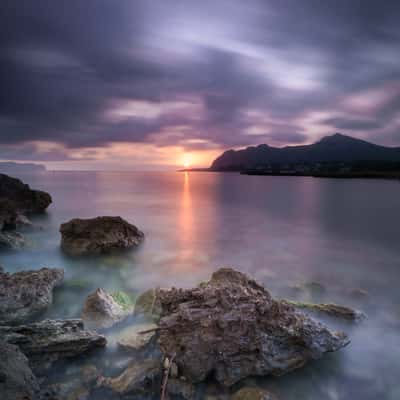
(284, 231)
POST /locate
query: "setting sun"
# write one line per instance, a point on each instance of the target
(186, 160)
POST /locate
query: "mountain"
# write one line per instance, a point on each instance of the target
(334, 148)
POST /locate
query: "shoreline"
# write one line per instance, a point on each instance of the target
(392, 175)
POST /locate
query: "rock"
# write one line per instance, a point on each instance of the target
(17, 381)
(102, 311)
(48, 341)
(148, 305)
(131, 340)
(139, 378)
(98, 235)
(23, 220)
(27, 293)
(24, 199)
(16, 198)
(232, 328)
(252, 393)
(174, 373)
(181, 389)
(8, 215)
(358, 294)
(331, 310)
(11, 240)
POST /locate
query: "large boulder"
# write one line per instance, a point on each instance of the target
(25, 199)
(48, 341)
(27, 293)
(102, 310)
(231, 328)
(98, 235)
(17, 381)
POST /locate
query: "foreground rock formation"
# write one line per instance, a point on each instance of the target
(27, 293)
(101, 310)
(98, 235)
(231, 328)
(17, 381)
(48, 341)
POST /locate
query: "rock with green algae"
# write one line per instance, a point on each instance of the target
(253, 393)
(148, 305)
(331, 310)
(103, 310)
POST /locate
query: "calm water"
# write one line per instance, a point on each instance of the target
(284, 231)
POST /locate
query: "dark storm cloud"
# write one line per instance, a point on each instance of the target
(65, 67)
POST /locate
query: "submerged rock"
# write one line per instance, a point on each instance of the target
(17, 381)
(98, 235)
(181, 389)
(27, 293)
(232, 328)
(101, 310)
(48, 341)
(11, 240)
(142, 377)
(252, 393)
(331, 310)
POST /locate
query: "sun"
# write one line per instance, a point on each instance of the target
(186, 161)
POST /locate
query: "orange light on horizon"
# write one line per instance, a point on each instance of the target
(186, 160)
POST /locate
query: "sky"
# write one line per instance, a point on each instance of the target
(104, 84)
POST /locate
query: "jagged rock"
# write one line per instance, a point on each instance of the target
(252, 393)
(130, 339)
(48, 341)
(331, 310)
(102, 311)
(98, 235)
(139, 378)
(24, 199)
(27, 293)
(232, 328)
(17, 381)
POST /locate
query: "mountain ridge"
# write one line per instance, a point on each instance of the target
(332, 148)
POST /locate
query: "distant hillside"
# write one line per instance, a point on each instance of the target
(335, 148)
(15, 168)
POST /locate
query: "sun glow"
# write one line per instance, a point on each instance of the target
(186, 160)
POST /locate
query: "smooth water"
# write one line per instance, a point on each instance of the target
(284, 231)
